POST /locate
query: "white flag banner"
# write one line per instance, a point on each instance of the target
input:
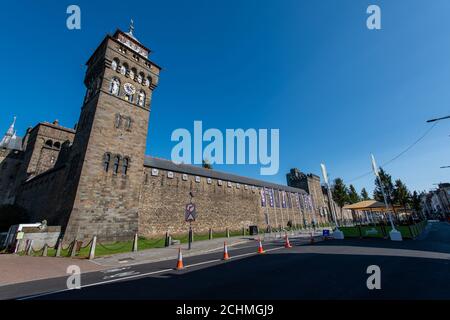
(324, 173)
(374, 166)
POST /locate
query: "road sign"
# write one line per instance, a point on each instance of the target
(326, 233)
(190, 214)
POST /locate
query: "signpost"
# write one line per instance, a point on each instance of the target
(189, 216)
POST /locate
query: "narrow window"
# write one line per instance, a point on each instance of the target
(116, 164)
(118, 121)
(125, 166)
(57, 145)
(128, 123)
(106, 160)
(114, 87)
(49, 143)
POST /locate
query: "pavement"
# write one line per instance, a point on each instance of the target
(333, 269)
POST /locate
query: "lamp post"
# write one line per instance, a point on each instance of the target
(395, 235)
(337, 234)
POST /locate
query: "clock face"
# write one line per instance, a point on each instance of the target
(129, 88)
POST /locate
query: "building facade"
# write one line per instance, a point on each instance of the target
(96, 180)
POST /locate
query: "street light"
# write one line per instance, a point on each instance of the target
(437, 119)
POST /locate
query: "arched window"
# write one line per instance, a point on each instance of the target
(125, 166)
(49, 143)
(140, 77)
(124, 69)
(57, 145)
(106, 160)
(133, 73)
(118, 121)
(148, 82)
(115, 64)
(141, 98)
(116, 164)
(128, 123)
(114, 87)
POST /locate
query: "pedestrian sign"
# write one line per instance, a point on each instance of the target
(326, 233)
(190, 214)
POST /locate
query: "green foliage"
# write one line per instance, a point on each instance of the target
(353, 196)
(340, 194)
(415, 202)
(401, 194)
(11, 215)
(388, 186)
(364, 194)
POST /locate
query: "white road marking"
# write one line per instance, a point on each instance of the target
(142, 275)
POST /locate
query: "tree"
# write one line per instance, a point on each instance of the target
(401, 194)
(206, 164)
(364, 194)
(415, 202)
(353, 196)
(388, 186)
(340, 192)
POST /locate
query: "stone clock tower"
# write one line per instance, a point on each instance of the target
(104, 174)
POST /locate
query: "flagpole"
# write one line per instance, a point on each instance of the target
(394, 234)
(338, 234)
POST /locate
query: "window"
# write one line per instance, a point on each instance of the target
(129, 97)
(115, 64)
(57, 145)
(114, 87)
(116, 164)
(141, 98)
(118, 121)
(106, 160)
(140, 78)
(133, 73)
(124, 69)
(128, 123)
(148, 82)
(49, 143)
(125, 166)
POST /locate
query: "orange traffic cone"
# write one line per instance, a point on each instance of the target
(180, 265)
(260, 247)
(287, 244)
(225, 251)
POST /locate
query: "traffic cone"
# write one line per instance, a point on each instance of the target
(287, 244)
(180, 265)
(260, 247)
(225, 251)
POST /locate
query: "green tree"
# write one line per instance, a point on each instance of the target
(340, 192)
(364, 194)
(416, 203)
(353, 196)
(206, 164)
(401, 194)
(388, 186)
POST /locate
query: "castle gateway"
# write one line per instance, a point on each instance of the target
(96, 179)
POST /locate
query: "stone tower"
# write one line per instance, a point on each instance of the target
(105, 171)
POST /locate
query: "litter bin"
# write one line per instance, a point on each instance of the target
(253, 230)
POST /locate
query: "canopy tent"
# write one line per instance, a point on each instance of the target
(370, 205)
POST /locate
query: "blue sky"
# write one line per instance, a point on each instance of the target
(336, 90)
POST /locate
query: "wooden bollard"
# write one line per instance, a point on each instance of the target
(30, 248)
(74, 248)
(228, 233)
(92, 250)
(210, 235)
(135, 243)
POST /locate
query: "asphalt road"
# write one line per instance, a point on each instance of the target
(335, 269)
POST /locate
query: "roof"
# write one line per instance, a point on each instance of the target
(372, 205)
(168, 165)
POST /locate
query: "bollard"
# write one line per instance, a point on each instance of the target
(243, 231)
(30, 248)
(228, 233)
(167, 240)
(92, 250)
(59, 248)
(135, 243)
(74, 248)
(45, 251)
(210, 235)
